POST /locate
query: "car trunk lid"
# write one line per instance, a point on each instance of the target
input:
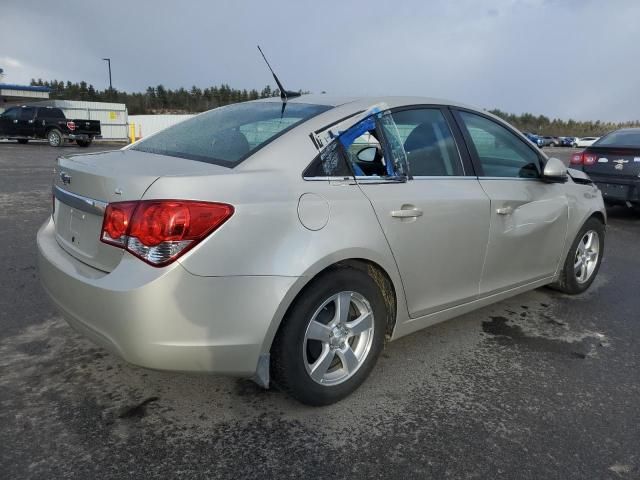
(85, 184)
(614, 162)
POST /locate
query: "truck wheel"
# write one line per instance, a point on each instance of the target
(22, 141)
(55, 138)
(83, 143)
(331, 338)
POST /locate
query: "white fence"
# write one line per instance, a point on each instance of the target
(149, 124)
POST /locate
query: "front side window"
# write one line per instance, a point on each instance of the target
(428, 142)
(227, 135)
(501, 153)
(11, 114)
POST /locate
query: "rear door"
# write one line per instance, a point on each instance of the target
(26, 118)
(529, 217)
(436, 222)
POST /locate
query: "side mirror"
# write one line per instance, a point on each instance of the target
(555, 171)
(367, 154)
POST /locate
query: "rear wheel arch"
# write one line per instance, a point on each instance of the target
(296, 356)
(374, 270)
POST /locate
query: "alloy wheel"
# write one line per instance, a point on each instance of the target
(54, 139)
(587, 254)
(338, 338)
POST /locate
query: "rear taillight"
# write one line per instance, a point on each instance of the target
(583, 158)
(71, 126)
(160, 231)
(576, 158)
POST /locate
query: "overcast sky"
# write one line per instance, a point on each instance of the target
(571, 58)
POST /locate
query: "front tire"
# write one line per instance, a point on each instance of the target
(583, 260)
(55, 138)
(331, 337)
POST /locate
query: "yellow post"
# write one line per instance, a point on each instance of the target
(132, 132)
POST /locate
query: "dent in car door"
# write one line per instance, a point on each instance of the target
(528, 231)
(529, 217)
(437, 225)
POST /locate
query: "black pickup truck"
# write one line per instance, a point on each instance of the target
(31, 122)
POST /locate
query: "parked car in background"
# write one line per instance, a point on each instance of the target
(549, 141)
(288, 241)
(613, 163)
(567, 141)
(535, 139)
(32, 122)
(584, 141)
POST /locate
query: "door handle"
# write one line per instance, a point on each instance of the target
(407, 213)
(504, 211)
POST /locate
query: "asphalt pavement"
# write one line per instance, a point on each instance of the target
(541, 386)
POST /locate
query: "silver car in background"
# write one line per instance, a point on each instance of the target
(287, 241)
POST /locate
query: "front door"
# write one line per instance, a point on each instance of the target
(437, 221)
(529, 217)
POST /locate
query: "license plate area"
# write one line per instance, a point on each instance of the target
(612, 190)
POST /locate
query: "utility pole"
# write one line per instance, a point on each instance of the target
(108, 60)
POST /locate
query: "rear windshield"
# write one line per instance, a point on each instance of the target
(227, 135)
(620, 138)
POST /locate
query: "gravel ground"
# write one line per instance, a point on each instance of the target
(540, 386)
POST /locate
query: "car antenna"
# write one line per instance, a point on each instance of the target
(284, 94)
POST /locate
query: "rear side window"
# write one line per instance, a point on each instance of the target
(52, 113)
(501, 152)
(27, 113)
(227, 135)
(428, 142)
(620, 138)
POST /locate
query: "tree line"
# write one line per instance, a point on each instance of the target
(157, 99)
(160, 99)
(543, 125)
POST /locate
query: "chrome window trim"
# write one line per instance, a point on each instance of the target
(86, 204)
(520, 179)
(377, 179)
(444, 177)
(327, 178)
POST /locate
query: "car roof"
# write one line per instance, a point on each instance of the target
(390, 101)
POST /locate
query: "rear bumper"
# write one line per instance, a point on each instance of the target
(82, 136)
(618, 189)
(163, 318)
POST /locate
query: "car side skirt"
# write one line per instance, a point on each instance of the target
(425, 321)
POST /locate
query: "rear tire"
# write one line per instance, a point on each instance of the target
(83, 143)
(320, 356)
(23, 141)
(583, 260)
(55, 138)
